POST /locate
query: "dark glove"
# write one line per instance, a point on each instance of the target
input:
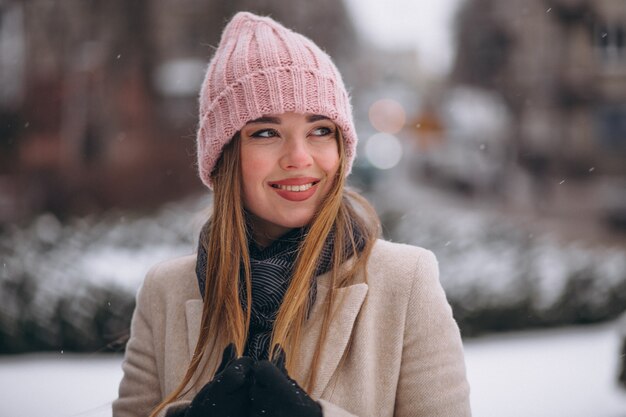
(227, 395)
(275, 394)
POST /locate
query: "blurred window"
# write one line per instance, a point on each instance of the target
(609, 40)
(180, 77)
(611, 126)
(91, 146)
(619, 38)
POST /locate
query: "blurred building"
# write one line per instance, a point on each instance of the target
(560, 66)
(98, 99)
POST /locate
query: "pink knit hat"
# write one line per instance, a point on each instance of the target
(259, 68)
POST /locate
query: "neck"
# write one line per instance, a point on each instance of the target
(263, 232)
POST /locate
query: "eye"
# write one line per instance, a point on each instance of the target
(322, 131)
(264, 133)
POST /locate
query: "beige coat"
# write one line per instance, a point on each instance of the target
(405, 359)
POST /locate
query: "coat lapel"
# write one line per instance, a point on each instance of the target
(348, 304)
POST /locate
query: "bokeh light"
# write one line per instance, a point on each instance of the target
(383, 150)
(387, 115)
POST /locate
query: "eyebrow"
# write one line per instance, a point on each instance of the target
(276, 120)
(315, 117)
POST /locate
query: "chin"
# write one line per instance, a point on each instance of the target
(294, 218)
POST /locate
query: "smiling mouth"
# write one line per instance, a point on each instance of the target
(295, 188)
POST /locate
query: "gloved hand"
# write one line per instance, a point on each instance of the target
(227, 394)
(275, 394)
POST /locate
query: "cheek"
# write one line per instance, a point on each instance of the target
(252, 174)
(253, 167)
(329, 160)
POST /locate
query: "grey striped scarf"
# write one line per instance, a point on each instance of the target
(271, 268)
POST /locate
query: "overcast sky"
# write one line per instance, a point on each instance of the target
(422, 24)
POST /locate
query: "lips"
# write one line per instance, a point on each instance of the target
(295, 189)
(295, 181)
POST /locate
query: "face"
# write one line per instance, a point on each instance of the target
(288, 164)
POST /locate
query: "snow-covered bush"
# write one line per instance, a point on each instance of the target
(72, 286)
(499, 275)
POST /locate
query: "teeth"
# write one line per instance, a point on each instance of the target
(296, 188)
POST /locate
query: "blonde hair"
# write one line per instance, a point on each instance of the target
(227, 248)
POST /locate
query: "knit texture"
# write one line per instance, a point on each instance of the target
(261, 68)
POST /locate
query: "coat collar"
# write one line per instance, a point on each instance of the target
(349, 301)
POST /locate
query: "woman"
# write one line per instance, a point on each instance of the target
(292, 306)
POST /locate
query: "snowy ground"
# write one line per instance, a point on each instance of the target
(550, 373)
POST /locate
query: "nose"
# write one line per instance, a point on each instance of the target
(297, 154)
